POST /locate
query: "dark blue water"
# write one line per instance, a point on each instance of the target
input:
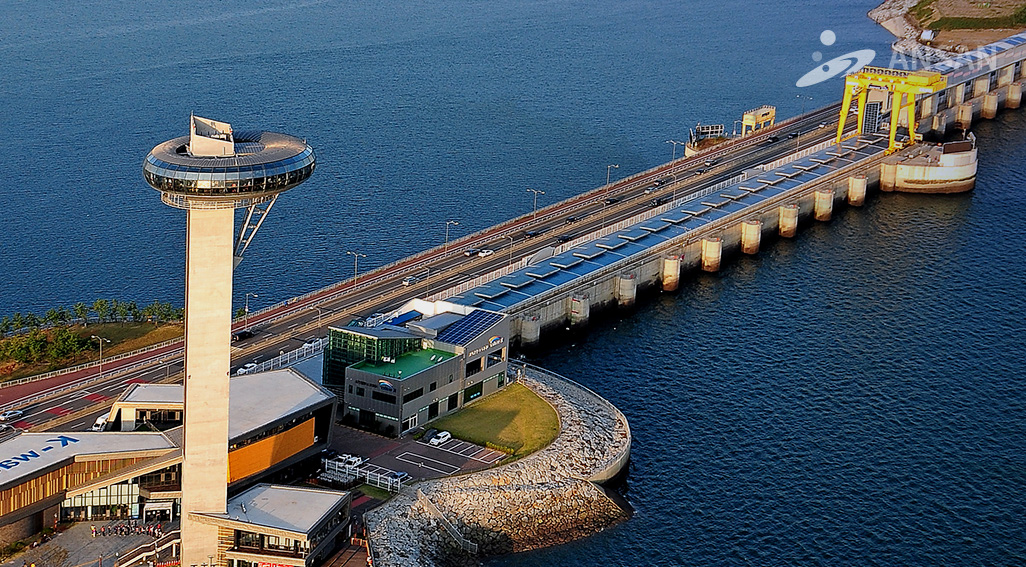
(850, 397)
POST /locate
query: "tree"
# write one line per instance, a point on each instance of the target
(102, 309)
(81, 312)
(64, 344)
(121, 309)
(17, 322)
(51, 317)
(5, 325)
(32, 321)
(134, 311)
(63, 315)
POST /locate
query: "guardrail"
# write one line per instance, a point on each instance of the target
(140, 554)
(291, 357)
(86, 365)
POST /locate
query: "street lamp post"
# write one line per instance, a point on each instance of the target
(536, 193)
(604, 204)
(510, 237)
(100, 340)
(356, 263)
(445, 250)
(245, 322)
(734, 133)
(319, 310)
(675, 143)
(798, 138)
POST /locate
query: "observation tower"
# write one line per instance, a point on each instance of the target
(210, 173)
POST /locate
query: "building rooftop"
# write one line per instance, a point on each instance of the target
(255, 400)
(379, 332)
(29, 454)
(289, 508)
(406, 365)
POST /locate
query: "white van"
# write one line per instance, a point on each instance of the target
(100, 424)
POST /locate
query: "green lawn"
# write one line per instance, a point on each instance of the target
(514, 418)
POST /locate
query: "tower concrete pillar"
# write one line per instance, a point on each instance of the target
(1005, 75)
(712, 253)
(788, 224)
(671, 272)
(939, 124)
(1014, 97)
(208, 319)
(981, 85)
(857, 190)
(751, 236)
(823, 200)
(626, 289)
(530, 330)
(990, 105)
(579, 309)
(927, 106)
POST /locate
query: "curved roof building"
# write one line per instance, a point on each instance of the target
(216, 167)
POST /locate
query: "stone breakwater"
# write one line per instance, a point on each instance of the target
(547, 498)
(893, 16)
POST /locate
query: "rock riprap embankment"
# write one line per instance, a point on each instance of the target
(543, 499)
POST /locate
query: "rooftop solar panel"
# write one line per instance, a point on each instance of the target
(732, 193)
(565, 261)
(633, 234)
(589, 252)
(516, 280)
(675, 216)
(490, 290)
(715, 201)
(695, 209)
(653, 225)
(469, 328)
(752, 188)
(541, 271)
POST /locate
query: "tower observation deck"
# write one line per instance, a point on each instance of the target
(210, 173)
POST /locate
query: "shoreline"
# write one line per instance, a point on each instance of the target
(547, 498)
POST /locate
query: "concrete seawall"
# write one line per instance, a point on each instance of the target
(544, 499)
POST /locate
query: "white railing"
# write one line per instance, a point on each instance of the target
(291, 357)
(85, 365)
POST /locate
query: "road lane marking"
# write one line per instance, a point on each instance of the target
(420, 460)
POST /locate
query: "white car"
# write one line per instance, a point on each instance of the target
(486, 252)
(100, 424)
(410, 280)
(441, 438)
(246, 368)
(11, 415)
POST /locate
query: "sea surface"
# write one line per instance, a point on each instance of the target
(850, 397)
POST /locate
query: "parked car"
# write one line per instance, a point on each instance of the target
(410, 280)
(242, 335)
(486, 252)
(470, 252)
(11, 415)
(441, 438)
(401, 476)
(354, 460)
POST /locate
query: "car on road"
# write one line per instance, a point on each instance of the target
(648, 190)
(486, 252)
(246, 368)
(470, 252)
(711, 162)
(310, 343)
(699, 171)
(531, 233)
(11, 415)
(572, 220)
(660, 200)
(4, 428)
(564, 238)
(772, 139)
(794, 135)
(822, 124)
(242, 335)
(611, 200)
(410, 280)
(441, 438)
(100, 424)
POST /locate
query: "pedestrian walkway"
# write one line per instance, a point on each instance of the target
(84, 550)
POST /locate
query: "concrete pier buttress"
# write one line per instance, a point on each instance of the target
(751, 236)
(712, 253)
(964, 117)
(1005, 75)
(626, 289)
(823, 209)
(1014, 97)
(990, 105)
(579, 309)
(788, 220)
(208, 317)
(530, 330)
(857, 190)
(671, 272)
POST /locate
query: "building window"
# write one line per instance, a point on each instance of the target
(359, 391)
(473, 392)
(350, 388)
(413, 395)
(383, 397)
(434, 386)
(475, 366)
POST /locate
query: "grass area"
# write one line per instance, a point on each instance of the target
(1015, 20)
(934, 15)
(123, 337)
(514, 418)
(374, 492)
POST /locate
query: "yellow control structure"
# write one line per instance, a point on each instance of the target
(903, 86)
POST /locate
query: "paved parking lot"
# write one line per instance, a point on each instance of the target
(419, 460)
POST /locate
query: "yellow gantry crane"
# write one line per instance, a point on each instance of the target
(903, 86)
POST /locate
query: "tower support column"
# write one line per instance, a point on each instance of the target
(208, 319)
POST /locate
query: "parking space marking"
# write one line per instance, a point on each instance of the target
(469, 451)
(421, 461)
